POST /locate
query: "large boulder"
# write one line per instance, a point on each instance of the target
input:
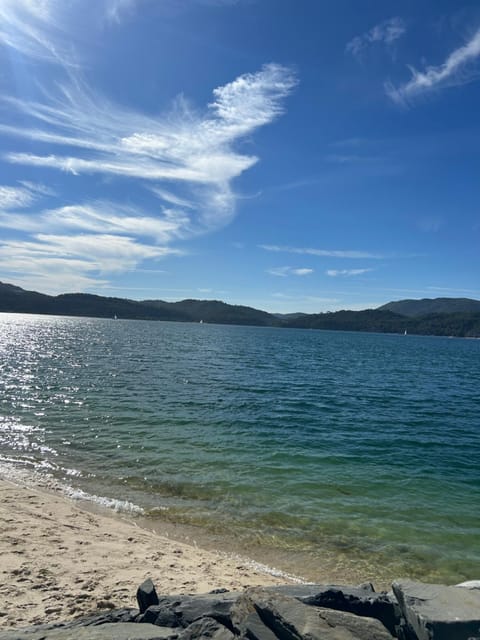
(260, 614)
(437, 612)
(208, 629)
(361, 600)
(181, 611)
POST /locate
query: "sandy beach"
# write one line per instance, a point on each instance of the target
(59, 561)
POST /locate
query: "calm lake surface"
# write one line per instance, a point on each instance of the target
(327, 454)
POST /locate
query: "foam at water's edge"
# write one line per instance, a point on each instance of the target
(271, 571)
(34, 479)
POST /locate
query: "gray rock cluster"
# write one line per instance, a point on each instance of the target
(412, 611)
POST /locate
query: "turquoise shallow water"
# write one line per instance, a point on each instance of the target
(326, 453)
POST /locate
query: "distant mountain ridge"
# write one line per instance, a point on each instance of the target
(426, 306)
(17, 300)
(394, 317)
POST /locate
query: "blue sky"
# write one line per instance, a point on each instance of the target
(292, 155)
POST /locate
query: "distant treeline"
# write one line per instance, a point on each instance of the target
(461, 323)
(438, 324)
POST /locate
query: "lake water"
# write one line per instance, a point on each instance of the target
(327, 454)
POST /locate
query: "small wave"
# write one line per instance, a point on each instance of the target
(37, 476)
(271, 571)
(119, 506)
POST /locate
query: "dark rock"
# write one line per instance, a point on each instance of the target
(299, 591)
(287, 618)
(206, 628)
(360, 627)
(253, 628)
(146, 595)
(117, 615)
(404, 631)
(162, 615)
(358, 600)
(437, 612)
(108, 617)
(180, 611)
(246, 621)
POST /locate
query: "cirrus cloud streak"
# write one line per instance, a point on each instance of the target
(289, 271)
(346, 272)
(329, 253)
(453, 72)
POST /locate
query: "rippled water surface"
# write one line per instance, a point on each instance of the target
(328, 453)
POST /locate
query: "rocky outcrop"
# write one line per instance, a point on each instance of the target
(433, 611)
(260, 614)
(413, 611)
(181, 611)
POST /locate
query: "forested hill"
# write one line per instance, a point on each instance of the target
(217, 312)
(461, 323)
(465, 325)
(16, 299)
(428, 306)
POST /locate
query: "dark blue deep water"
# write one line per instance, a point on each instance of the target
(330, 454)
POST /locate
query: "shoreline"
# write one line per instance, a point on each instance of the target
(61, 561)
(281, 564)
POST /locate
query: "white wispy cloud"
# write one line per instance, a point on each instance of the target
(34, 28)
(15, 197)
(73, 262)
(459, 68)
(302, 271)
(44, 30)
(115, 10)
(185, 156)
(85, 243)
(346, 272)
(183, 147)
(38, 188)
(386, 32)
(320, 252)
(100, 217)
(289, 271)
(171, 198)
(19, 197)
